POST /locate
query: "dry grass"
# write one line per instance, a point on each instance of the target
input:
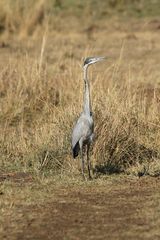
(42, 46)
(41, 89)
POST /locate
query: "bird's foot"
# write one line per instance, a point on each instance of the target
(90, 177)
(84, 177)
(87, 179)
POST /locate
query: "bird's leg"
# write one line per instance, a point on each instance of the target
(82, 162)
(88, 162)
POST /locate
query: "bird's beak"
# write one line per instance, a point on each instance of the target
(99, 59)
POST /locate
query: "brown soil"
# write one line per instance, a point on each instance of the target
(122, 209)
(16, 177)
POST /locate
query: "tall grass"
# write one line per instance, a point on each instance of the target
(38, 111)
(41, 92)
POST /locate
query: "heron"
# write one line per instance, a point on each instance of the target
(83, 131)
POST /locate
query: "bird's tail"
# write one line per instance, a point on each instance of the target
(76, 150)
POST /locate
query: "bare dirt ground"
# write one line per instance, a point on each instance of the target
(115, 208)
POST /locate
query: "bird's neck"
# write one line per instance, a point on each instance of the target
(87, 102)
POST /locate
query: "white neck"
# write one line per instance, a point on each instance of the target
(87, 102)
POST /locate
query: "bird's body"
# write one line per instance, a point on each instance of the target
(83, 130)
(82, 133)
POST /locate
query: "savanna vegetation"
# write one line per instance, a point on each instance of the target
(42, 47)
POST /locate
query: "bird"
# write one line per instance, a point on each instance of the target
(83, 130)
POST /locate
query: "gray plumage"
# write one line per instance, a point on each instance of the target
(83, 131)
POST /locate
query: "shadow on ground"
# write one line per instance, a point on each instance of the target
(130, 155)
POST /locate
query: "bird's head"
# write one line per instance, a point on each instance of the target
(90, 60)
